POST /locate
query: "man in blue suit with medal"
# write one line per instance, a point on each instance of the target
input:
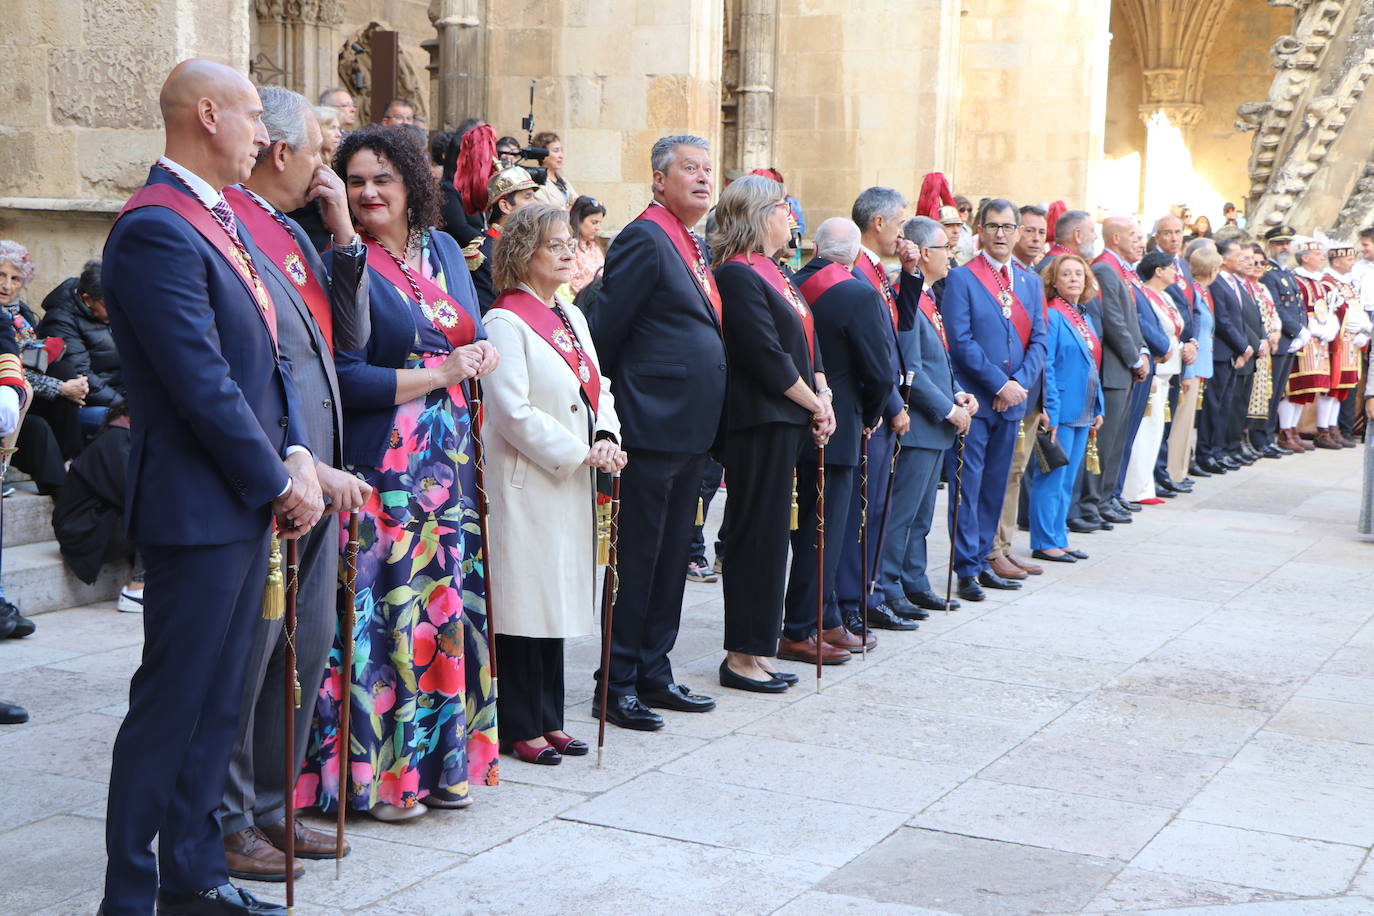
(217, 455)
(994, 316)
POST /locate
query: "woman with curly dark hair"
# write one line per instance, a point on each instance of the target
(423, 717)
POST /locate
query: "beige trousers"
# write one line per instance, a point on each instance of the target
(1181, 433)
(1006, 526)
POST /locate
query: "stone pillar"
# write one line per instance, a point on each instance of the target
(458, 61)
(758, 45)
(297, 44)
(1168, 162)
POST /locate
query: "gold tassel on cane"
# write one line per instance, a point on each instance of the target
(796, 512)
(1168, 414)
(701, 512)
(1201, 390)
(603, 531)
(1020, 435)
(1094, 463)
(274, 593)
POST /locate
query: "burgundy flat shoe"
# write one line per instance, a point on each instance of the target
(547, 756)
(567, 745)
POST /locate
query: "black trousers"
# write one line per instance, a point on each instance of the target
(1099, 489)
(1216, 410)
(530, 703)
(1238, 421)
(658, 510)
(172, 752)
(758, 464)
(800, 600)
(1281, 367)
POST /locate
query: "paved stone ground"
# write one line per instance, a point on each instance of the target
(1182, 724)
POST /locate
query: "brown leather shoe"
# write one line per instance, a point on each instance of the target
(1326, 440)
(841, 638)
(1027, 566)
(1005, 568)
(805, 651)
(310, 843)
(1298, 443)
(250, 856)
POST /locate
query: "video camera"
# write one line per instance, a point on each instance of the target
(530, 151)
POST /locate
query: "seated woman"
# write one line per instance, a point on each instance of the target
(1073, 402)
(51, 433)
(550, 425)
(423, 715)
(586, 216)
(75, 312)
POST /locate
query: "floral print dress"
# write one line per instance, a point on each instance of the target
(423, 716)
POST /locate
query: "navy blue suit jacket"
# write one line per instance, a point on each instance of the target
(210, 403)
(1155, 337)
(927, 362)
(984, 346)
(367, 377)
(892, 399)
(1283, 288)
(660, 344)
(1231, 337)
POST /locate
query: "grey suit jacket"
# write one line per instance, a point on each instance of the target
(933, 385)
(1121, 337)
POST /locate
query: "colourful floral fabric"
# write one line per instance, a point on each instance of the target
(423, 716)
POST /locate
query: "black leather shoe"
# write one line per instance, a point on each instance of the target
(882, 617)
(12, 714)
(1206, 467)
(1064, 557)
(1230, 462)
(1117, 516)
(931, 601)
(729, 678)
(989, 579)
(1270, 451)
(1175, 486)
(225, 900)
(787, 677)
(22, 626)
(676, 697)
(1163, 493)
(1129, 506)
(1077, 553)
(1197, 470)
(1083, 526)
(628, 712)
(1280, 450)
(969, 589)
(903, 607)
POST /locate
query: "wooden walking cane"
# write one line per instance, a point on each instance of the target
(480, 469)
(346, 688)
(872, 583)
(293, 700)
(609, 586)
(957, 494)
(863, 544)
(820, 559)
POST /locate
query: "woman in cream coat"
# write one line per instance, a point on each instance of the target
(550, 425)
(1158, 271)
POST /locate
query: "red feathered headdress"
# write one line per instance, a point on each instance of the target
(935, 193)
(476, 161)
(1057, 209)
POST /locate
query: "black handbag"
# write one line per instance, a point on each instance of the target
(1049, 454)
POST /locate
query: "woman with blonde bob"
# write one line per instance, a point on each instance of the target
(1205, 263)
(550, 425)
(775, 393)
(1073, 402)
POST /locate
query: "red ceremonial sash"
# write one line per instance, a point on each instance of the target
(448, 316)
(1080, 324)
(933, 315)
(878, 277)
(820, 282)
(1175, 317)
(768, 269)
(687, 249)
(1056, 250)
(194, 212)
(1207, 298)
(1018, 316)
(1130, 278)
(546, 323)
(279, 244)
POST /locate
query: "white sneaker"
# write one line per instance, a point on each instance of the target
(130, 602)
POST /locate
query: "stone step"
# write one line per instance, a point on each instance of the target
(28, 518)
(38, 581)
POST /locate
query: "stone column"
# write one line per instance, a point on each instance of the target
(1169, 120)
(297, 44)
(758, 46)
(458, 60)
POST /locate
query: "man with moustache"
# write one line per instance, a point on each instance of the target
(1283, 289)
(314, 316)
(218, 451)
(657, 330)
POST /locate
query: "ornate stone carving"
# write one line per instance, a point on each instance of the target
(1164, 85)
(106, 87)
(1179, 114)
(295, 45)
(354, 64)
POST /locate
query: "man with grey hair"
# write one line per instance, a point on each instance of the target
(879, 213)
(314, 316)
(852, 328)
(341, 100)
(656, 325)
(1074, 233)
(940, 410)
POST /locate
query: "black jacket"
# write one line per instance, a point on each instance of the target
(87, 516)
(1283, 288)
(767, 348)
(1231, 337)
(90, 348)
(481, 277)
(852, 330)
(660, 343)
(456, 221)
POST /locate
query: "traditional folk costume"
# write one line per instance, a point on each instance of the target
(1346, 359)
(1310, 379)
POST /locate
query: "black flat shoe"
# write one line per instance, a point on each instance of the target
(729, 678)
(1077, 553)
(12, 714)
(628, 712)
(676, 697)
(903, 608)
(1064, 557)
(225, 900)
(989, 579)
(787, 677)
(969, 589)
(931, 601)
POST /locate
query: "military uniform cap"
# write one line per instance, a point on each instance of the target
(507, 181)
(949, 216)
(1280, 234)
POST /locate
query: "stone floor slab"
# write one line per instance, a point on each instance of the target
(374, 869)
(49, 861)
(819, 904)
(54, 747)
(1335, 906)
(1269, 861)
(1009, 666)
(27, 796)
(1302, 757)
(1287, 805)
(1136, 889)
(1088, 826)
(752, 820)
(970, 876)
(1326, 719)
(1179, 725)
(1162, 676)
(888, 685)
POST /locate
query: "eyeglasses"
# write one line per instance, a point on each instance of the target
(560, 247)
(1001, 228)
(937, 247)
